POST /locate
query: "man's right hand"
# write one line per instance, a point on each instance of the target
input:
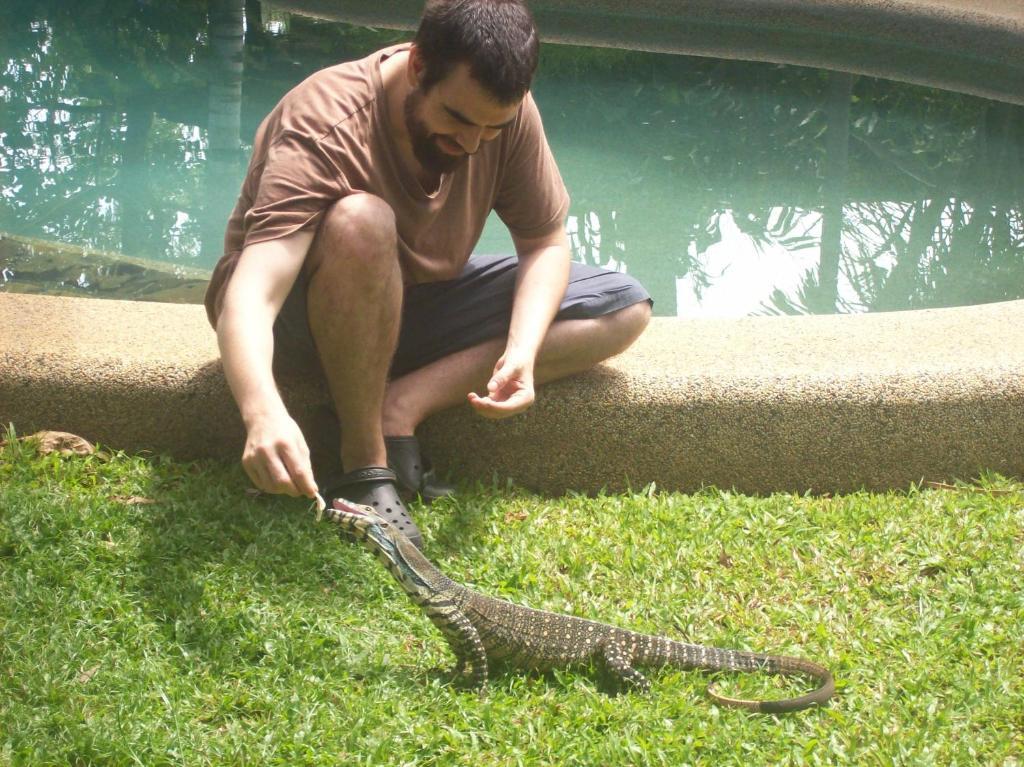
(276, 457)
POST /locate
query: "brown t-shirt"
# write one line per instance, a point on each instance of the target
(328, 137)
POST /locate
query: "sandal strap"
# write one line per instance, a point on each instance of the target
(333, 484)
(369, 474)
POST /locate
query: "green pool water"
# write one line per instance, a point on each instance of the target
(729, 188)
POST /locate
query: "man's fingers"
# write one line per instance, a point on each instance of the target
(485, 406)
(300, 471)
(492, 408)
(276, 458)
(264, 477)
(252, 471)
(508, 392)
(305, 483)
(280, 477)
(276, 470)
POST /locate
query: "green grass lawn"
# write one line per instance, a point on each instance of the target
(153, 613)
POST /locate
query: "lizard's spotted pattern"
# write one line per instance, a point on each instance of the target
(480, 629)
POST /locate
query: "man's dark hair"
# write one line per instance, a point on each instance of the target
(497, 38)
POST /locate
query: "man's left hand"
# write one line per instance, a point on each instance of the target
(509, 391)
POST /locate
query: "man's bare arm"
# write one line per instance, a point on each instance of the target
(276, 456)
(542, 279)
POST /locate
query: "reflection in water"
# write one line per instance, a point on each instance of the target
(224, 146)
(752, 184)
(96, 100)
(727, 187)
(734, 275)
(836, 165)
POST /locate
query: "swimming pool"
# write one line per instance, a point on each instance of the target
(729, 188)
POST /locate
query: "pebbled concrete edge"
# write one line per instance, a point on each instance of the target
(825, 404)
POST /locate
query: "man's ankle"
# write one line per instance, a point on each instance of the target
(363, 459)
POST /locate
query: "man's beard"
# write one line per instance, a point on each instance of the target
(424, 143)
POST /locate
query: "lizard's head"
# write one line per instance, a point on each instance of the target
(363, 525)
(389, 544)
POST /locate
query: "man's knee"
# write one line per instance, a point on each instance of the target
(625, 325)
(357, 228)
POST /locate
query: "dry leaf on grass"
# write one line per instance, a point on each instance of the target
(132, 500)
(85, 676)
(61, 442)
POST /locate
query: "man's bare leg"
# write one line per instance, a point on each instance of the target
(355, 304)
(571, 346)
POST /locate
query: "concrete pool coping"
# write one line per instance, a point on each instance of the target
(813, 403)
(821, 403)
(970, 46)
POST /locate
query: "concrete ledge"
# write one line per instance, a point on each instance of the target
(821, 403)
(970, 46)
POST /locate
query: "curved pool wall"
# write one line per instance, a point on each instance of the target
(819, 403)
(970, 46)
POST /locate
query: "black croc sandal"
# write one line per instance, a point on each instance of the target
(414, 471)
(374, 487)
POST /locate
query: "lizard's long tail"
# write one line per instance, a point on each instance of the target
(714, 659)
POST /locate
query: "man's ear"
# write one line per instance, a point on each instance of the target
(414, 69)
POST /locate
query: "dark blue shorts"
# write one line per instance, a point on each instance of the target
(441, 318)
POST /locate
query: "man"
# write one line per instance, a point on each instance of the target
(349, 247)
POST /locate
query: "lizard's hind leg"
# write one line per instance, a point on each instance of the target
(616, 661)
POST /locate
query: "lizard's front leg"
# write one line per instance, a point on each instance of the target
(463, 640)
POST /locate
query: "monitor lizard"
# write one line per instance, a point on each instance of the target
(481, 629)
